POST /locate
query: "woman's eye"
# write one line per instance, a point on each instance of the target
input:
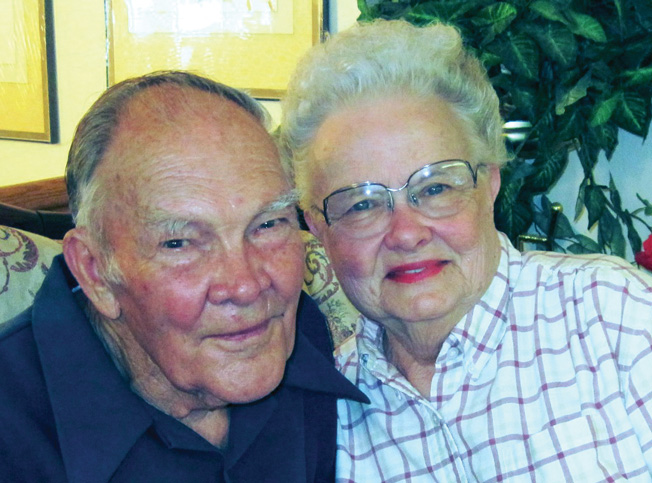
(175, 243)
(363, 205)
(434, 189)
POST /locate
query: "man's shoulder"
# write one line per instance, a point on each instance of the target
(21, 322)
(25, 411)
(17, 345)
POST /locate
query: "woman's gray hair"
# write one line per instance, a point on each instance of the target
(384, 58)
(97, 128)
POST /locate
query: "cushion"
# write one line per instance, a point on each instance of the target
(322, 285)
(24, 260)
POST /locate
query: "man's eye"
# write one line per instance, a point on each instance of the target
(275, 223)
(175, 243)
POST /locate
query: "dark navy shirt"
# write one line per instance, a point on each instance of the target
(66, 413)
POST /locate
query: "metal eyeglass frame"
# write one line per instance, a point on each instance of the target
(411, 199)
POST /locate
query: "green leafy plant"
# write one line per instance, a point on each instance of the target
(577, 71)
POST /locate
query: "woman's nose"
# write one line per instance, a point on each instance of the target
(408, 229)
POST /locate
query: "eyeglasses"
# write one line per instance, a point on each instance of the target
(436, 190)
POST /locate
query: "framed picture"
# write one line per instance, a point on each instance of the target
(250, 44)
(27, 86)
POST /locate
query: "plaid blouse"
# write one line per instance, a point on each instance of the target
(548, 378)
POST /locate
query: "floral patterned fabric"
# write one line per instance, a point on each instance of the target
(322, 285)
(24, 260)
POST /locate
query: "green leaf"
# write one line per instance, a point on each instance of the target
(585, 26)
(520, 55)
(643, 10)
(556, 41)
(447, 12)
(570, 96)
(588, 152)
(547, 9)
(564, 228)
(513, 219)
(607, 136)
(365, 11)
(604, 109)
(619, 9)
(495, 19)
(631, 114)
(524, 99)
(632, 234)
(584, 245)
(610, 233)
(638, 77)
(581, 196)
(578, 23)
(644, 201)
(498, 15)
(595, 203)
(549, 167)
(614, 196)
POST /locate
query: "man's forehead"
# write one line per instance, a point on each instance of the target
(153, 137)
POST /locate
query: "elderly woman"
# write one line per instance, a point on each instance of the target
(481, 363)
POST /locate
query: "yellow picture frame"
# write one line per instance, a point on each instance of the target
(253, 45)
(27, 98)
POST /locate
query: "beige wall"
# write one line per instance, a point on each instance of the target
(81, 77)
(79, 47)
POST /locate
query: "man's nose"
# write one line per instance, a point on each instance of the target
(239, 278)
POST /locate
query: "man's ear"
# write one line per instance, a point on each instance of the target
(83, 258)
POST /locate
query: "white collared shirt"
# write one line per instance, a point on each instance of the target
(548, 378)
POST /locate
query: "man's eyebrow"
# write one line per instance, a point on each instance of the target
(162, 221)
(284, 201)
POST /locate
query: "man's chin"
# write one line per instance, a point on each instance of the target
(249, 382)
(253, 391)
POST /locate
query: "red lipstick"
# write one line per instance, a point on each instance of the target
(415, 272)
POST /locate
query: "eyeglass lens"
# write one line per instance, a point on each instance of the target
(436, 190)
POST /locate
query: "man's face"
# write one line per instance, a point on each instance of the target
(210, 254)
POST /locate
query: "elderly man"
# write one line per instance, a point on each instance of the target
(170, 342)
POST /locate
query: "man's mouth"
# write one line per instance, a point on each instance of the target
(415, 272)
(244, 334)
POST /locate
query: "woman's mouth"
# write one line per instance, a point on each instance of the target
(415, 272)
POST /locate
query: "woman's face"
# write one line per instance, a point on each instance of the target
(418, 270)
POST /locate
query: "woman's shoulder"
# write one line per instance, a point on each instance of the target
(593, 268)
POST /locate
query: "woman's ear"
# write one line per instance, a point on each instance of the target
(83, 259)
(494, 179)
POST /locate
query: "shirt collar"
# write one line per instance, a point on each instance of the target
(308, 369)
